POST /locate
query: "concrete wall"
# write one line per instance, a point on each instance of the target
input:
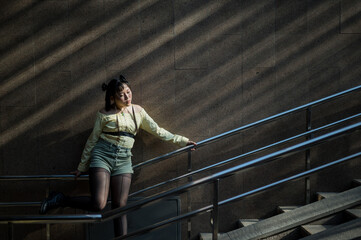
(198, 67)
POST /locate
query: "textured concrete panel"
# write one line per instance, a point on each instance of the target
(258, 93)
(52, 19)
(258, 38)
(350, 16)
(53, 85)
(295, 90)
(17, 72)
(122, 36)
(323, 17)
(87, 68)
(328, 82)
(19, 152)
(185, 56)
(153, 95)
(84, 15)
(50, 15)
(291, 54)
(88, 59)
(17, 56)
(197, 86)
(16, 18)
(189, 29)
(187, 96)
(225, 53)
(349, 60)
(54, 156)
(11, 96)
(157, 19)
(291, 16)
(2, 160)
(225, 18)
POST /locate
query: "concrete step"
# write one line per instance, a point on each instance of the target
(313, 229)
(207, 236)
(338, 218)
(355, 213)
(334, 219)
(322, 195)
(283, 209)
(247, 222)
(299, 216)
(348, 230)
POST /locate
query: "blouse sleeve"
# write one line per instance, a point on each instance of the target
(149, 125)
(92, 140)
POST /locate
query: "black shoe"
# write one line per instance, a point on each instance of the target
(54, 200)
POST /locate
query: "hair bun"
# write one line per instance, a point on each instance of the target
(122, 78)
(104, 87)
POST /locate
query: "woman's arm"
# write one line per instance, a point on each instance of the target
(92, 140)
(149, 125)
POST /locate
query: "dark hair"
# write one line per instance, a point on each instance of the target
(112, 88)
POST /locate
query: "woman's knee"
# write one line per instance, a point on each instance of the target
(99, 205)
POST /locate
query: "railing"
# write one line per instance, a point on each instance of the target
(237, 158)
(306, 107)
(210, 167)
(215, 178)
(228, 172)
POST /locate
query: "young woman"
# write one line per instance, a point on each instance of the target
(107, 153)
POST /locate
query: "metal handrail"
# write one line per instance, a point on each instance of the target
(67, 177)
(44, 219)
(251, 125)
(20, 204)
(209, 167)
(115, 213)
(230, 171)
(222, 163)
(201, 143)
(243, 195)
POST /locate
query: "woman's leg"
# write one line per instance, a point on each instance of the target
(99, 179)
(120, 185)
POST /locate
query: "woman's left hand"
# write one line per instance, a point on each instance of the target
(192, 143)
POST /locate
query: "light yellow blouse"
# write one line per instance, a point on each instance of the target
(108, 123)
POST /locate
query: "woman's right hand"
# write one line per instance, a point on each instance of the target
(76, 173)
(192, 143)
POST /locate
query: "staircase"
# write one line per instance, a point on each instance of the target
(333, 216)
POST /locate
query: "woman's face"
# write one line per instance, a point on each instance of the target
(123, 98)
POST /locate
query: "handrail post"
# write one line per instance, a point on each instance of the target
(47, 226)
(215, 212)
(189, 206)
(308, 156)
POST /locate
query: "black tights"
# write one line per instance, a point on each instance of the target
(100, 181)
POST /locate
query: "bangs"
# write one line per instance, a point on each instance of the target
(121, 86)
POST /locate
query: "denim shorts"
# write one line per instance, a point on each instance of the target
(115, 159)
